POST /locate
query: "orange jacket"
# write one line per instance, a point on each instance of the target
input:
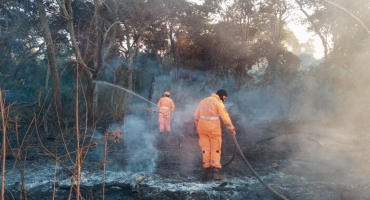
(166, 104)
(207, 116)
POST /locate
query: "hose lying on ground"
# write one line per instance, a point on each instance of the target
(231, 159)
(237, 148)
(255, 174)
(195, 153)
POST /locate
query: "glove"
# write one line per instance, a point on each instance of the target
(196, 126)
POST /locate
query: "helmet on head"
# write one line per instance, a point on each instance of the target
(222, 94)
(167, 94)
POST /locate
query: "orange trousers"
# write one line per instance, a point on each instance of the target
(164, 123)
(210, 143)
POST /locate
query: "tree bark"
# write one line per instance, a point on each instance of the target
(3, 121)
(53, 67)
(68, 15)
(173, 50)
(98, 48)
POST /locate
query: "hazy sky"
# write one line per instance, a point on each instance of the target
(303, 36)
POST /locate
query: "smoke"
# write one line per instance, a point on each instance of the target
(140, 140)
(321, 126)
(315, 118)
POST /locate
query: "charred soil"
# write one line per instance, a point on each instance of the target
(42, 166)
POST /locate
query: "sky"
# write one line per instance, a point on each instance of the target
(303, 36)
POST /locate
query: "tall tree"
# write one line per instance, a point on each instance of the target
(313, 24)
(53, 67)
(349, 24)
(245, 34)
(92, 31)
(140, 19)
(67, 13)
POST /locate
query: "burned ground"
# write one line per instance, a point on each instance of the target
(286, 155)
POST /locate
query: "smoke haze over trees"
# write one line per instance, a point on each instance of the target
(119, 41)
(54, 53)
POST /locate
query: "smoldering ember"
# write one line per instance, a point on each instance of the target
(138, 99)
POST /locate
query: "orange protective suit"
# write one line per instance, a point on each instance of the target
(166, 106)
(207, 120)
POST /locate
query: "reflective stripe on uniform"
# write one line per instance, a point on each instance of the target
(212, 100)
(165, 107)
(229, 124)
(209, 118)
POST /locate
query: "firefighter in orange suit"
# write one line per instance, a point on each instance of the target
(207, 121)
(166, 106)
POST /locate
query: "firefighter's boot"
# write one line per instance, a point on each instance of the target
(209, 172)
(216, 174)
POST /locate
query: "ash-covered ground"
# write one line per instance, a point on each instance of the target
(299, 160)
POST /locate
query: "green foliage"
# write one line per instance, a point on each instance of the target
(173, 34)
(141, 78)
(29, 89)
(110, 103)
(68, 93)
(142, 81)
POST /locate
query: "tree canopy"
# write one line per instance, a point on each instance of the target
(120, 40)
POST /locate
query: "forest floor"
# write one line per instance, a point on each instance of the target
(286, 156)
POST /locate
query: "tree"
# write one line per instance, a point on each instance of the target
(10, 23)
(245, 33)
(141, 18)
(314, 25)
(52, 59)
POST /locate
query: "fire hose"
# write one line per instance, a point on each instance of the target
(157, 111)
(254, 173)
(237, 148)
(232, 157)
